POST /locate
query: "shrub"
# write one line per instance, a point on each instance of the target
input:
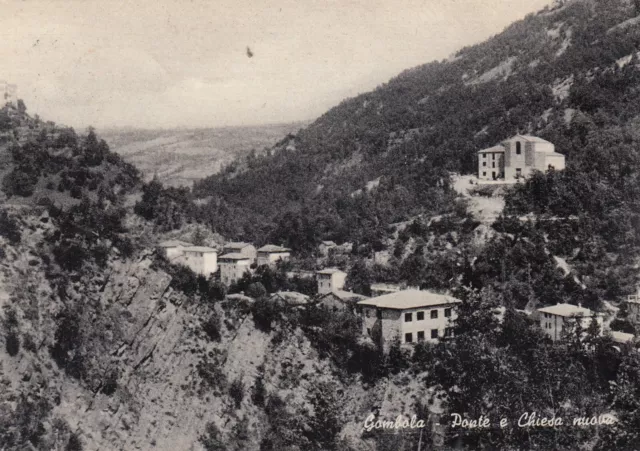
(258, 391)
(9, 228)
(212, 327)
(211, 439)
(265, 313)
(12, 343)
(74, 443)
(236, 391)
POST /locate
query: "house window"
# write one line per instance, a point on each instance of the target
(434, 333)
(484, 163)
(408, 317)
(448, 332)
(369, 331)
(419, 316)
(518, 172)
(421, 336)
(484, 155)
(408, 338)
(447, 312)
(493, 164)
(434, 314)
(379, 314)
(518, 148)
(484, 174)
(367, 313)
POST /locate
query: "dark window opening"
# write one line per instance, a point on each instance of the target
(408, 338)
(518, 148)
(408, 317)
(434, 333)
(421, 336)
(434, 314)
(419, 316)
(447, 312)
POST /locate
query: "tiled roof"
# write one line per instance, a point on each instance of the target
(236, 245)
(529, 138)
(567, 310)
(330, 271)
(407, 299)
(205, 249)
(174, 243)
(497, 148)
(234, 256)
(273, 248)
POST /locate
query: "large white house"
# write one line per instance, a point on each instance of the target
(518, 157)
(559, 318)
(201, 259)
(410, 315)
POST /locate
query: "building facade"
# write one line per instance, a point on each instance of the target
(518, 157)
(270, 254)
(201, 259)
(562, 318)
(330, 280)
(8, 93)
(633, 308)
(411, 316)
(233, 266)
(247, 249)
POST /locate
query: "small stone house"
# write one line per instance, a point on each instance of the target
(201, 259)
(411, 316)
(247, 249)
(233, 266)
(330, 279)
(270, 254)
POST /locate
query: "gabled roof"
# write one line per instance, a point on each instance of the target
(567, 310)
(273, 248)
(205, 249)
(234, 256)
(408, 299)
(330, 271)
(237, 245)
(528, 138)
(498, 148)
(174, 243)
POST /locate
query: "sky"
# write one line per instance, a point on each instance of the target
(163, 64)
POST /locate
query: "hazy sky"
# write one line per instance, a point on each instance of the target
(184, 63)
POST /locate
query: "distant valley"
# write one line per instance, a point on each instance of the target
(180, 156)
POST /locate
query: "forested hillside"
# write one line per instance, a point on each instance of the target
(383, 156)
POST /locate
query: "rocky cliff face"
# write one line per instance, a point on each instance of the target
(150, 377)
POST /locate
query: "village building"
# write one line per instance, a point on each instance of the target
(8, 93)
(561, 318)
(340, 300)
(270, 254)
(633, 308)
(201, 259)
(247, 249)
(412, 316)
(172, 248)
(325, 246)
(621, 337)
(330, 279)
(233, 266)
(518, 157)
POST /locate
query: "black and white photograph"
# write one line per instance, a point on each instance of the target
(319, 225)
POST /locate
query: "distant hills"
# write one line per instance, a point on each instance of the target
(180, 156)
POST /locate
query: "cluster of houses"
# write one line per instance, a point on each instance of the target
(235, 259)
(396, 312)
